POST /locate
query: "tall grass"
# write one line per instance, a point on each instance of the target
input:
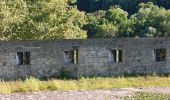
(33, 84)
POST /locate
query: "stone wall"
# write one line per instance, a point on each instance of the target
(94, 57)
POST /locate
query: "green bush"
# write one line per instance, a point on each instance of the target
(64, 74)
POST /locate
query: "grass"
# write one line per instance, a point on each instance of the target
(33, 84)
(148, 96)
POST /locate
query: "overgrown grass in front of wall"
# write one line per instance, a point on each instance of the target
(32, 84)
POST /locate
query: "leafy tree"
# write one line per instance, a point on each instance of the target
(40, 19)
(93, 21)
(106, 31)
(119, 18)
(111, 23)
(150, 20)
(12, 13)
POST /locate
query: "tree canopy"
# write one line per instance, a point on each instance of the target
(149, 21)
(40, 19)
(131, 6)
(61, 19)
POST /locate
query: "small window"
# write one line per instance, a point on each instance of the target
(116, 56)
(71, 57)
(160, 55)
(23, 58)
(120, 55)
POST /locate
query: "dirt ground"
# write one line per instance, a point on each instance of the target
(103, 94)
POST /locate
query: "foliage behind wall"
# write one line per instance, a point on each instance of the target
(61, 19)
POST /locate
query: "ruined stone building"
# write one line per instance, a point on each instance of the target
(88, 57)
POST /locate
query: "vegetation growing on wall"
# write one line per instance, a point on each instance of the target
(60, 19)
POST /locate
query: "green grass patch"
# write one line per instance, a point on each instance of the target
(33, 84)
(147, 96)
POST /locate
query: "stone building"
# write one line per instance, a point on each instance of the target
(89, 57)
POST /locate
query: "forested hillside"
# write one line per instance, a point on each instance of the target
(71, 19)
(131, 6)
(149, 21)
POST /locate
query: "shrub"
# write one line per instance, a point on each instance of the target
(64, 74)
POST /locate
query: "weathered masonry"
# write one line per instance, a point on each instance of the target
(21, 59)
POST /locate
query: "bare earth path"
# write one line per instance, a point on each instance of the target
(111, 94)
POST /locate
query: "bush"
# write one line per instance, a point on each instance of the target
(64, 74)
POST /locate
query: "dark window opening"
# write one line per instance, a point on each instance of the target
(116, 55)
(23, 58)
(71, 57)
(120, 56)
(160, 55)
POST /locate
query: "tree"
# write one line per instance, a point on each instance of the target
(119, 18)
(111, 23)
(106, 31)
(93, 21)
(12, 14)
(150, 20)
(40, 19)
